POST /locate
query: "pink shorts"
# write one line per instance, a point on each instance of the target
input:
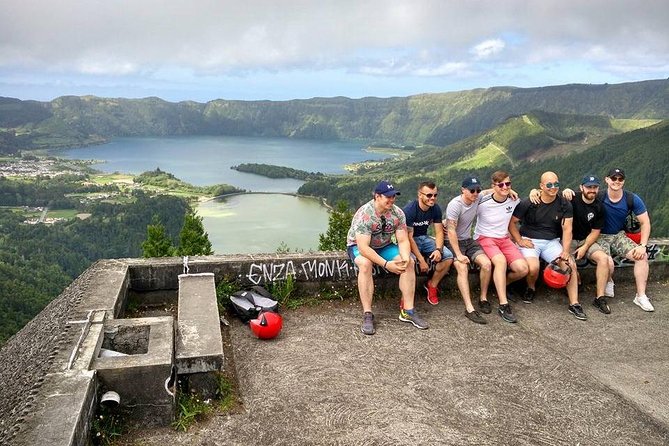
(493, 246)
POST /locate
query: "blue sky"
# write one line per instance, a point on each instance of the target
(203, 50)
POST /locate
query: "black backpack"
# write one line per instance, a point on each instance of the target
(248, 304)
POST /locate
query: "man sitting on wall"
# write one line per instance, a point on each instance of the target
(420, 214)
(369, 243)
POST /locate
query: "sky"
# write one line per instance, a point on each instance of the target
(203, 50)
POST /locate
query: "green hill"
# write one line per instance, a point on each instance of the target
(433, 119)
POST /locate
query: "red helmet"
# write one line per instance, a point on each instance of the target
(267, 325)
(556, 277)
(635, 236)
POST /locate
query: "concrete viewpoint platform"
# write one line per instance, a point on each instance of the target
(548, 380)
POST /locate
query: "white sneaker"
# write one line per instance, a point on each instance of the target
(644, 303)
(608, 291)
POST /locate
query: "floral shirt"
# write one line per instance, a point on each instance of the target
(381, 227)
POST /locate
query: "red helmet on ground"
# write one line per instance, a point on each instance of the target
(267, 325)
(634, 236)
(556, 277)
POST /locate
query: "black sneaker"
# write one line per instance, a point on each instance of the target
(601, 303)
(577, 311)
(484, 306)
(528, 295)
(474, 316)
(506, 313)
(368, 323)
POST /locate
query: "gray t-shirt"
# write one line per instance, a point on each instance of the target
(462, 213)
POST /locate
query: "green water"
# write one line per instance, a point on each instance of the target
(259, 223)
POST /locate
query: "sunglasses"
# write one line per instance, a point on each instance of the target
(502, 185)
(383, 227)
(430, 195)
(618, 179)
(474, 191)
(552, 185)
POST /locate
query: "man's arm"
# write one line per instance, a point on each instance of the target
(567, 235)
(439, 241)
(451, 226)
(587, 243)
(644, 222)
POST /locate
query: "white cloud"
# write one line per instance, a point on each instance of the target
(414, 38)
(488, 48)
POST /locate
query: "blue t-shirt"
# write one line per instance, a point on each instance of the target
(615, 214)
(420, 220)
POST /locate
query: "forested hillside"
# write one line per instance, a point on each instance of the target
(525, 146)
(437, 119)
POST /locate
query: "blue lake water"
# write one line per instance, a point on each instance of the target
(250, 223)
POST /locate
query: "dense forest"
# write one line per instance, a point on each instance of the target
(271, 171)
(38, 261)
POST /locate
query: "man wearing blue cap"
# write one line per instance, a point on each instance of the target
(369, 243)
(588, 221)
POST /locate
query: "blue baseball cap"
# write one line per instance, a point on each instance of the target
(590, 180)
(387, 189)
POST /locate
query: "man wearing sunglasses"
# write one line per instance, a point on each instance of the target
(460, 215)
(613, 238)
(492, 233)
(420, 214)
(546, 233)
(369, 243)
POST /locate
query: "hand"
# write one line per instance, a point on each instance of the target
(535, 196)
(565, 256)
(580, 252)
(639, 252)
(462, 259)
(422, 264)
(568, 193)
(525, 243)
(513, 194)
(436, 256)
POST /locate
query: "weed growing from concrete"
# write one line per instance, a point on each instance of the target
(190, 408)
(283, 290)
(107, 427)
(225, 288)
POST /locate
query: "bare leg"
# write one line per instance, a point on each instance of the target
(499, 277)
(440, 270)
(463, 285)
(602, 272)
(533, 273)
(365, 282)
(408, 284)
(485, 274)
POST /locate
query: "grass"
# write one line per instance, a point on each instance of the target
(107, 427)
(190, 409)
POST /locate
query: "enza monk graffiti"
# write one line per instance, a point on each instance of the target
(656, 252)
(308, 270)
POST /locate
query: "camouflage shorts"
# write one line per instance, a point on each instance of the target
(575, 244)
(616, 244)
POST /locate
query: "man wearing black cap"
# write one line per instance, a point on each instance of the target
(369, 243)
(588, 221)
(420, 214)
(613, 238)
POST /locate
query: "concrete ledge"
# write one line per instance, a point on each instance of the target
(199, 347)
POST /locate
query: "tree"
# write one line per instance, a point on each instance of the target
(193, 240)
(157, 243)
(338, 224)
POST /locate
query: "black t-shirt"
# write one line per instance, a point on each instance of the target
(543, 221)
(586, 216)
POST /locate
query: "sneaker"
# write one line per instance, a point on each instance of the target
(484, 306)
(577, 311)
(608, 291)
(506, 313)
(528, 295)
(475, 316)
(644, 303)
(432, 294)
(368, 323)
(601, 303)
(413, 317)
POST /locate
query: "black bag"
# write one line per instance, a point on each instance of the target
(248, 304)
(632, 225)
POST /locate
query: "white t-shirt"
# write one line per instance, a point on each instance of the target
(493, 217)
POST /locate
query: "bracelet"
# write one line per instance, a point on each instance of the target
(384, 265)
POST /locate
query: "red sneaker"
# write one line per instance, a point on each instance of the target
(432, 294)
